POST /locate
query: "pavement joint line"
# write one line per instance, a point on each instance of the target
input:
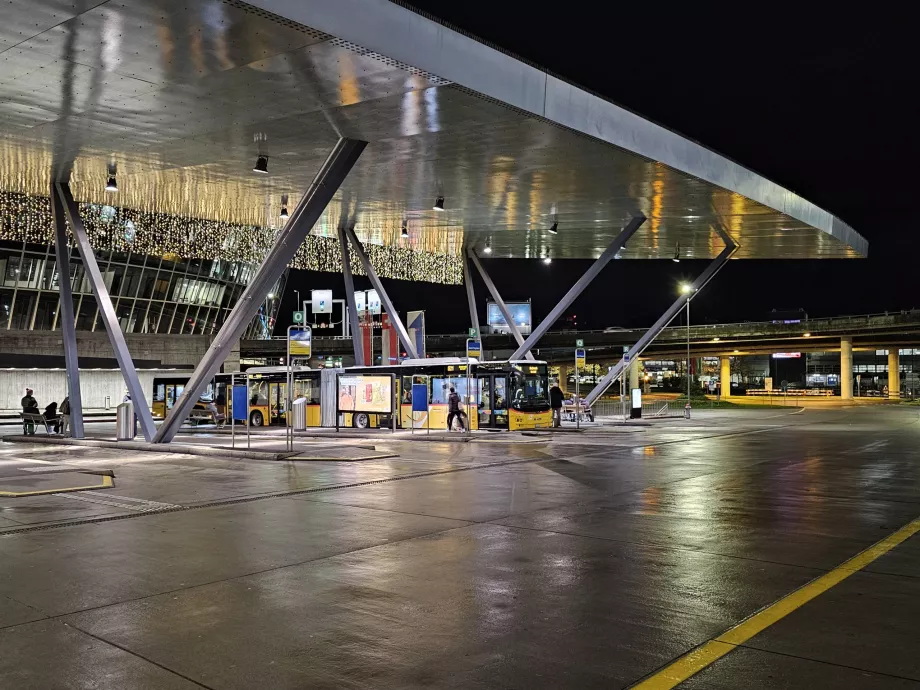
(701, 657)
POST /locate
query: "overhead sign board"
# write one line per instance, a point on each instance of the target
(786, 355)
(361, 300)
(373, 302)
(300, 341)
(322, 301)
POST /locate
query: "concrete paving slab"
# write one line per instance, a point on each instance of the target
(753, 668)
(868, 622)
(476, 603)
(51, 654)
(13, 612)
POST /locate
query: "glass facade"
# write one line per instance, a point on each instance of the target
(150, 294)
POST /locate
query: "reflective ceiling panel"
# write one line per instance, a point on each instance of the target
(184, 96)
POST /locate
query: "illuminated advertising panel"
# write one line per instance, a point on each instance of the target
(520, 313)
(366, 394)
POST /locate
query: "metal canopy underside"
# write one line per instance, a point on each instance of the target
(183, 96)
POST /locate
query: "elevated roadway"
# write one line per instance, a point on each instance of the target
(764, 337)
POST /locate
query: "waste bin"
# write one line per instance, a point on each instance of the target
(125, 422)
(300, 414)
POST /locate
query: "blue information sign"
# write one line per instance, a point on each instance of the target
(420, 397)
(474, 348)
(240, 404)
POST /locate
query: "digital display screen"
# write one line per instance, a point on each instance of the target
(366, 394)
(520, 313)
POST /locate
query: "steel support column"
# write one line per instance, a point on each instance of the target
(384, 297)
(309, 209)
(666, 318)
(579, 286)
(104, 302)
(352, 304)
(68, 328)
(499, 301)
(470, 294)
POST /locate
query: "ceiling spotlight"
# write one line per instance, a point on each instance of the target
(112, 184)
(284, 211)
(488, 248)
(404, 232)
(439, 204)
(554, 230)
(261, 165)
(547, 260)
(676, 258)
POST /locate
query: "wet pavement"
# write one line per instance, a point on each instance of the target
(572, 560)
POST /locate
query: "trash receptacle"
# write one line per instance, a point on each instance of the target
(300, 414)
(125, 422)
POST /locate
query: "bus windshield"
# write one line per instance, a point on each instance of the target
(529, 389)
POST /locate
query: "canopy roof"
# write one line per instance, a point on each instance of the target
(184, 96)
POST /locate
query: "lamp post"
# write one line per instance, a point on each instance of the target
(687, 289)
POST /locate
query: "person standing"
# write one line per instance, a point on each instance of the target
(453, 410)
(30, 405)
(555, 402)
(64, 409)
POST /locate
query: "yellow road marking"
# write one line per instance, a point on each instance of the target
(107, 483)
(697, 659)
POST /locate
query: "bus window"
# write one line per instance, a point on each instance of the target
(258, 393)
(407, 390)
(529, 389)
(501, 394)
(159, 392)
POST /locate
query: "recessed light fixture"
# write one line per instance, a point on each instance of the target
(488, 248)
(439, 204)
(112, 184)
(715, 340)
(404, 232)
(676, 257)
(284, 211)
(554, 229)
(261, 165)
(806, 335)
(547, 260)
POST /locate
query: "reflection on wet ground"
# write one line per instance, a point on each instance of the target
(578, 560)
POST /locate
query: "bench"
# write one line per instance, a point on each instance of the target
(37, 418)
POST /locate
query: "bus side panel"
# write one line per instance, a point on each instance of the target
(529, 420)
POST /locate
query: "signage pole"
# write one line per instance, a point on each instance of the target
(577, 401)
(248, 416)
(228, 407)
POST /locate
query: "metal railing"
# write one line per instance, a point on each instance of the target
(623, 409)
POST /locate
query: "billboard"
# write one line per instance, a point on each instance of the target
(360, 300)
(520, 313)
(300, 339)
(365, 394)
(322, 301)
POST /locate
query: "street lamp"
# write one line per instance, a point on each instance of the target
(687, 289)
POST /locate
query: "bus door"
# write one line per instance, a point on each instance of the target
(493, 401)
(277, 402)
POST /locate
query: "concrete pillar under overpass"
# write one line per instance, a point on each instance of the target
(894, 374)
(634, 373)
(846, 368)
(563, 376)
(725, 376)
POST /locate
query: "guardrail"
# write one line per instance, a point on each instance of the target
(623, 409)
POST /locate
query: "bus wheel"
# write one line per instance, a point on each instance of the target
(360, 420)
(256, 418)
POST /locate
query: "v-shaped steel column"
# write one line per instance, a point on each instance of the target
(499, 301)
(350, 301)
(579, 287)
(665, 319)
(309, 209)
(107, 311)
(384, 297)
(68, 329)
(470, 294)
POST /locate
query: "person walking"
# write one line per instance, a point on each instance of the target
(556, 400)
(453, 410)
(30, 405)
(64, 423)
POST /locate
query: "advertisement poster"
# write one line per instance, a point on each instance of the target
(366, 394)
(373, 302)
(322, 301)
(520, 313)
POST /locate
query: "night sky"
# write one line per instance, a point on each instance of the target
(825, 106)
